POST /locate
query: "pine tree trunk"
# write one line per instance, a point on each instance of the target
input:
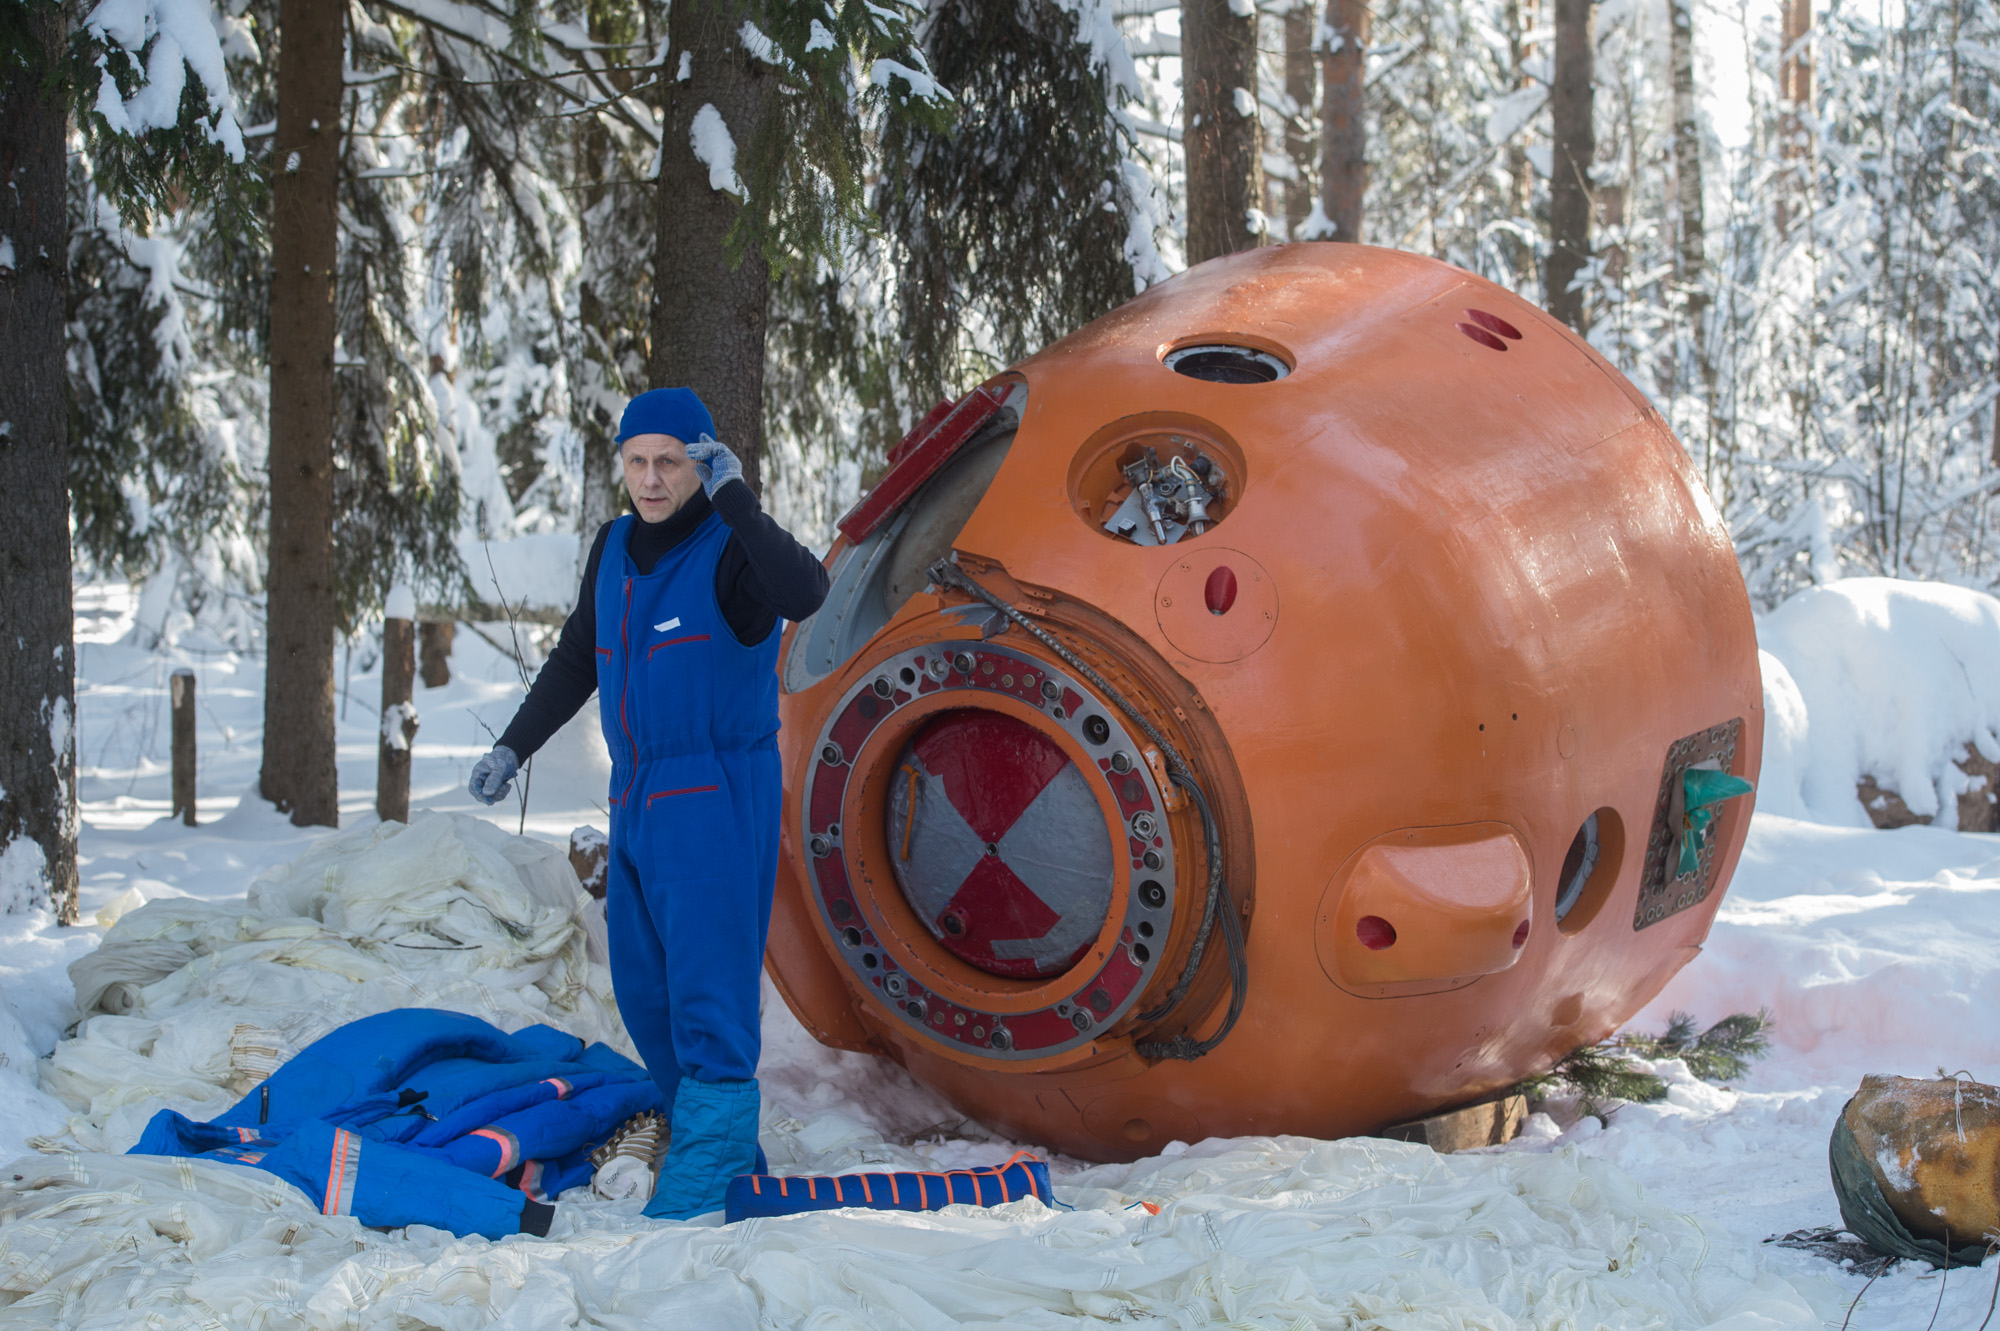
(1571, 105)
(300, 775)
(1299, 137)
(708, 315)
(1344, 136)
(609, 341)
(1689, 254)
(1519, 18)
(1221, 129)
(1794, 98)
(37, 664)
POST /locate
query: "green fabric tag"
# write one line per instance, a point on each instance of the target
(1703, 790)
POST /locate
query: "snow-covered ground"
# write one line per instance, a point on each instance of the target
(1875, 951)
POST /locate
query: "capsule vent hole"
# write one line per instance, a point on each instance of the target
(1375, 932)
(1227, 365)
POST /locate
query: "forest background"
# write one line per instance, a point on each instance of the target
(304, 301)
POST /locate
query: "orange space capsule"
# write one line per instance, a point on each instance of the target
(1267, 710)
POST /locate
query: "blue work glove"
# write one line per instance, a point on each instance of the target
(493, 774)
(714, 463)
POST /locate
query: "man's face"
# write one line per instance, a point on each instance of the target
(658, 475)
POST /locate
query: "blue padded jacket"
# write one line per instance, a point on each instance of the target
(424, 1117)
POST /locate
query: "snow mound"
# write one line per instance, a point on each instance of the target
(1258, 1231)
(1877, 677)
(1874, 951)
(191, 1002)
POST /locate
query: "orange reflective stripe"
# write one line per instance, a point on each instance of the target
(866, 1191)
(509, 1146)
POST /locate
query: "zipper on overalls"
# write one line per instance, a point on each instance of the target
(624, 692)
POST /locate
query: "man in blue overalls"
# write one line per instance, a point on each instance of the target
(676, 629)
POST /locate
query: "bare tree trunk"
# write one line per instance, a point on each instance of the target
(37, 663)
(180, 702)
(1571, 105)
(1794, 97)
(1343, 169)
(1996, 411)
(1299, 136)
(300, 774)
(709, 316)
(1221, 130)
(435, 637)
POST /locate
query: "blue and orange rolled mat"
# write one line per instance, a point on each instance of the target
(909, 1190)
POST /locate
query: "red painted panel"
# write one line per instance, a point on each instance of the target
(994, 906)
(1039, 1030)
(992, 766)
(852, 729)
(919, 461)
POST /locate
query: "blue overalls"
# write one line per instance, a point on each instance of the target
(691, 717)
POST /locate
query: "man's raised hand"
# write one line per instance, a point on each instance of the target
(714, 463)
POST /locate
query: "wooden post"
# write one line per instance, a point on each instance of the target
(399, 721)
(180, 699)
(435, 651)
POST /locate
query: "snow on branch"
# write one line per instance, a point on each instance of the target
(149, 47)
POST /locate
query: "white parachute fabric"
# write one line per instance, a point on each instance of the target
(190, 1003)
(1256, 1232)
(187, 1004)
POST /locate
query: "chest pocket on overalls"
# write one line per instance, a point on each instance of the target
(678, 667)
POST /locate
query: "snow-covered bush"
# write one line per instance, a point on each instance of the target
(1876, 677)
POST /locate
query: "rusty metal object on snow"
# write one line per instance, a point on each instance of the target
(1263, 712)
(1492, 1123)
(1933, 1147)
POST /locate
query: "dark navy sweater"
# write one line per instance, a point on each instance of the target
(763, 576)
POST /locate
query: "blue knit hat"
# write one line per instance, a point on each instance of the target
(674, 411)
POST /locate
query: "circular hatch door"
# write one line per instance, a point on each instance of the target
(999, 844)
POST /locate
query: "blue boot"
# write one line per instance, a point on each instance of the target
(715, 1139)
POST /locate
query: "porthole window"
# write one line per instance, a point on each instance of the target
(1218, 364)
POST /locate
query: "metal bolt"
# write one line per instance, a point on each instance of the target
(938, 668)
(962, 663)
(893, 984)
(883, 688)
(1121, 762)
(1080, 1019)
(820, 847)
(1001, 1038)
(830, 754)
(1051, 690)
(1143, 826)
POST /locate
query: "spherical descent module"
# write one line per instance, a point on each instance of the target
(1306, 698)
